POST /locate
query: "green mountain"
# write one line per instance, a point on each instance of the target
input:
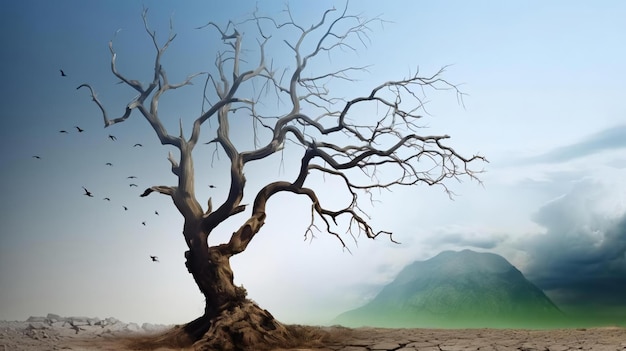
(463, 289)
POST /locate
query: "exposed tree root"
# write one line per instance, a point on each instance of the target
(242, 327)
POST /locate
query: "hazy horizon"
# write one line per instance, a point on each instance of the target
(545, 104)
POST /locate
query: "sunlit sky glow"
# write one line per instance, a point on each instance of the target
(545, 104)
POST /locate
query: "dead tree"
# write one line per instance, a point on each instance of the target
(366, 149)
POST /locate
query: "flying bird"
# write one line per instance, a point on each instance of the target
(106, 198)
(132, 185)
(137, 145)
(62, 73)
(79, 129)
(154, 258)
(131, 177)
(212, 186)
(63, 131)
(108, 164)
(125, 208)
(144, 223)
(87, 192)
(37, 157)
(156, 213)
(112, 137)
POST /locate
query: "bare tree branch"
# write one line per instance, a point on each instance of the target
(165, 190)
(369, 142)
(107, 121)
(404, 102)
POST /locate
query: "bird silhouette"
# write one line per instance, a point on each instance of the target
(144, 223)
(212, 186)
(108, 164)
(63, 131)
(106, 198)
(156, 213)
(112, 137)
(37, 157)
(131, 177)
(79, 129)
(154, 258)
(87, 192)
(125, 208)
(62, 73)
(132, 185)
(137, 145)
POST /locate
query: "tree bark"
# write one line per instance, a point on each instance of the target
(230, 320)
(210, 268)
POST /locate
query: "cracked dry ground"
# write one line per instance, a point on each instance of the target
(376, 339)
(361, 339)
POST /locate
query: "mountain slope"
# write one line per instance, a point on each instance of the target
(457, 289)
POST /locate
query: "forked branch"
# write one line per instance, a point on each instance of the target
(369, 142)
(386, 149)
(107, 121)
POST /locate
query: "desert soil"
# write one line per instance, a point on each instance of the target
(29, 336)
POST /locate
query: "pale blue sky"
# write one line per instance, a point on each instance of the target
(545, 104)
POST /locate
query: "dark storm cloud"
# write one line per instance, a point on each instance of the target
(581, 258)
(608, 139)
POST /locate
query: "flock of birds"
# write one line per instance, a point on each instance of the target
(90, 194)
(87, 192)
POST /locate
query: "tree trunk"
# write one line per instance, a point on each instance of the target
(230, 320)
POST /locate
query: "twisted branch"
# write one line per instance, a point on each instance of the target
(339, 136)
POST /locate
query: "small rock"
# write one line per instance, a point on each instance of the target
(36, 319)
(52, 316)
(58, 324)
(115, 327)
(78, 320)
(133, 327)
(38, 325)
(93, 321)
(112, 320)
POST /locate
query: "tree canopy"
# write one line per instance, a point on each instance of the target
(287, 96)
